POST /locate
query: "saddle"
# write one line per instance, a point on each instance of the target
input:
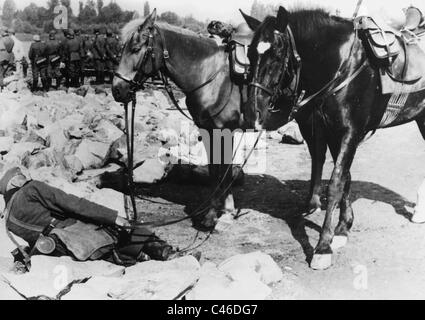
(401, 62)
(414, 28)
(238, 50)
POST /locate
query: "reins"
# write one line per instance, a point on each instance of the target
(136, 84)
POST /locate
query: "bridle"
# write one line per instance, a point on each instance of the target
(288, 80)
(298, 100)
(141, 76)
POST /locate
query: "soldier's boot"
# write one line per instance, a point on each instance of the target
(58, 83)
(158, 249)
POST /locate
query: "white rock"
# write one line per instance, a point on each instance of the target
(111, 199)
(49, 276)
(291, 133)
(6, 144)
(19, 150)
(151, 171)
(256, 265)
(156, 280)
(151, 280)
(217, 285)
(92, 154)
(11, 113)
(107, 131)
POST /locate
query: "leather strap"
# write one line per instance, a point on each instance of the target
(6, 215)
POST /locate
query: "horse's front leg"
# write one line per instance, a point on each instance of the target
(322, 258)
(313, 133)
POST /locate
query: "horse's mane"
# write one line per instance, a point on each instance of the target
(130, 28)
(306, 22)
(309, 20)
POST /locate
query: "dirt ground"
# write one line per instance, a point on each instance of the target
(385, 256)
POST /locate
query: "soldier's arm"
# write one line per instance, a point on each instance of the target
(31, 53)
(68, 205)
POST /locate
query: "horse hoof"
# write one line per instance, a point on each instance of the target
(339, 242)
(418, 218)
(209, 221)
(229, 205)
(321, 261)
(312, 211)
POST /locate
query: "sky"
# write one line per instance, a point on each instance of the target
(227, 10)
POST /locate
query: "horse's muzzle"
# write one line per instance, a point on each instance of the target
(121, 90)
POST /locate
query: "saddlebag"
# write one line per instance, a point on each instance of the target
(382, 44)
(239, 62)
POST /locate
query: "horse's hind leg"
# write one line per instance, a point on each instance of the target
(313, 133)
(419, 214)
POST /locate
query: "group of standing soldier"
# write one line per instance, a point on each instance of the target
(67, 59)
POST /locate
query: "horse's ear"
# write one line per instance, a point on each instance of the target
(251, 21)
(282, 19)
(151, 19)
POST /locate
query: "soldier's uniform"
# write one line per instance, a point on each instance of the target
(39, 62)
(112, 51)
(99, 56)
(53, 47)
(6, 55)
(71, 226)
(87, 51)
(65, 69)
(79, 37)
(73, 51)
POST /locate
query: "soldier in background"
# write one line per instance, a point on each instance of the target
(112, 51)
(19, 53)
(38, 58)
(65, 62)
(53, 48)
(73, 52)
(7, 58)
(99, 56)
(87, 58)
(79, 37)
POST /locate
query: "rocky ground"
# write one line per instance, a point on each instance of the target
(67, 139)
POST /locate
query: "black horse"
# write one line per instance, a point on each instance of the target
(200, 68)
(345, 100)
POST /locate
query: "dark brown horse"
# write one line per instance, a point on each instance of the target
(335, 65)
(200, 68)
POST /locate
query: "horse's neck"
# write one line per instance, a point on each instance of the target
(329, 44)
(192, 60)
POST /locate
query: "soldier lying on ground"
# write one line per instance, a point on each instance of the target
(55, 223)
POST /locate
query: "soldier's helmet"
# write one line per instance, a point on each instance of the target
(36, 38)
(71, 34)
(12, 31)
(52, 34)
(243, 29)
(11, 179)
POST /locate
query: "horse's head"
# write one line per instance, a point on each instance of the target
(142, 57)
(275, 65)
